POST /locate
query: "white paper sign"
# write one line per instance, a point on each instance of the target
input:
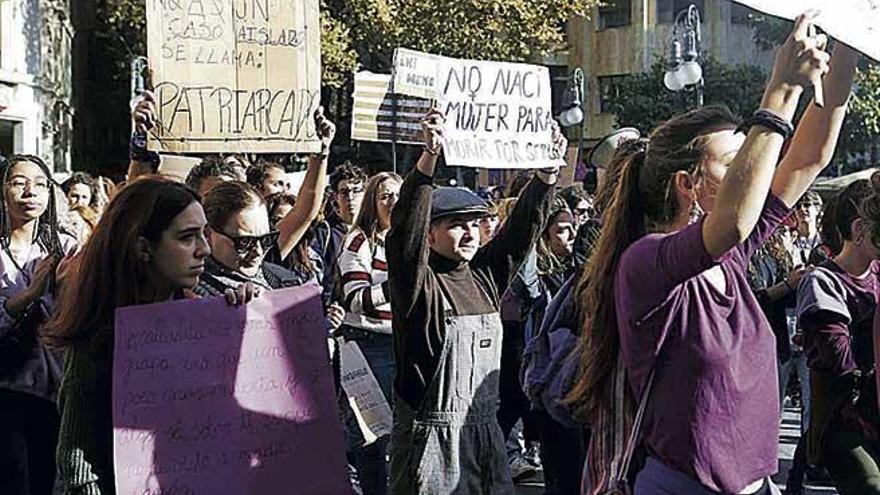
(854, 22)
(498, 114)
(366, 399)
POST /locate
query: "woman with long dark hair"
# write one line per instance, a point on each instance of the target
(364, 278)
(31, 247)
(669, 295)
(149, 247)
(836, 304)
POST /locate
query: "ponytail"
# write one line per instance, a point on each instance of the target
(623, 224)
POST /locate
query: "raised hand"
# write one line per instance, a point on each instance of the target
(433, 130)
(326, 131)
(144, 114)
(802, 60)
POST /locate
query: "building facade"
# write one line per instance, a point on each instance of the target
(36, 114)
(628, 36)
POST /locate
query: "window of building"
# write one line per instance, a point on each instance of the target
(609, 91)
(668, 9)
(559, 80)
(616, 13)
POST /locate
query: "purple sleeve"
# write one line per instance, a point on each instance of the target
(827, 343)
(682, 256)
(774, 213)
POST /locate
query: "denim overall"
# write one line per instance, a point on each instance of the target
(452, 444)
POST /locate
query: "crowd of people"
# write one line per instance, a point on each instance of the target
(643, 339)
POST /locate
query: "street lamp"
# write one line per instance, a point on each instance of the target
(684, 70)
(573, 113)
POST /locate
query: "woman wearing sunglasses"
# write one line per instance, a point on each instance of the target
(364, 279)
(240, 235)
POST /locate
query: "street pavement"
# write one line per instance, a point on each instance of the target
(788, 438)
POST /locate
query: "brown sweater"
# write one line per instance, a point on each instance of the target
(417, 274)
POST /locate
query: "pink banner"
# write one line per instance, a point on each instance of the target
(213, 399)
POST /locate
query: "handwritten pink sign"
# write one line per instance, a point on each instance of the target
(211, 399)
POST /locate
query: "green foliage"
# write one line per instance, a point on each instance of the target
(365, 32)
(513, 30)
(643, 102)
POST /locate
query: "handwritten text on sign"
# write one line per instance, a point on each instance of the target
(854, 22)
(235, 75)
(210, 399)
(497, 114)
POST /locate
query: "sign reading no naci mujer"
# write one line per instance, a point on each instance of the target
(497, 113)
(234, 75)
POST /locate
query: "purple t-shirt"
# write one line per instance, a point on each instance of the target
(714, 408)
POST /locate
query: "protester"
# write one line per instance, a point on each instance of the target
(302, 260)
(240, 237)
(245, 247)
(364, 278)
(210, 172)
(836, 306)
(81, 189)
(347, 193)
(268, 178)
(563, 449)
(31, 247)
(671, 296)
(579, 203)
(240, 163)
(81, 221)
(149, 247)
(445, 294)
(489, 224)
(807, 241)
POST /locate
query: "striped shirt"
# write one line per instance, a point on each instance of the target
(364, 279)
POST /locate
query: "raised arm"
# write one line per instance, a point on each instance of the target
(508, 249)
(142, 161)
(817, 134)
(406, 244)
(308, 202)
(742, 194)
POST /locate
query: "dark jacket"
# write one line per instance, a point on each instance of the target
(419, 278)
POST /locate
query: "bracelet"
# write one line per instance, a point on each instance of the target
(138, 152)
(769, 120)
(434, 152)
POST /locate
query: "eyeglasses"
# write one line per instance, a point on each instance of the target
(20, 184)
(247, 244)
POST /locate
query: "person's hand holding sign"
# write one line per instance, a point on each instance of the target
(560, 145)
(802, 61)
(144, 114)
(326, 132)
(433, 131)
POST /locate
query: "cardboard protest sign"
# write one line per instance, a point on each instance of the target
(380, 115)
(210, 398)
(369, 404)
(176, 167)
(498, 114)
(854, 22)
(234, 75)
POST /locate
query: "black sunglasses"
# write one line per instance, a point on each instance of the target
(246, 244)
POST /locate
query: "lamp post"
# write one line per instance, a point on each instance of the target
(684, 70)
(575, 108)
